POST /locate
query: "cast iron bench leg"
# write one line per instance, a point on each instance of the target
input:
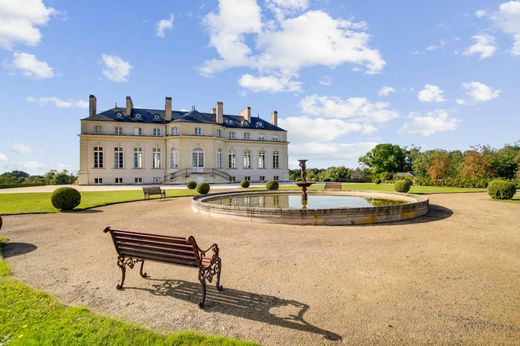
(144, 275)
(202, 279)
(122, 265)
(218, 267)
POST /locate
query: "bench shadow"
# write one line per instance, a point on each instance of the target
(257, 307)
(16, 249)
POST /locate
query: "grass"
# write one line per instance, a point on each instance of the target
(30, 317)
(389, 187)
(40, 202)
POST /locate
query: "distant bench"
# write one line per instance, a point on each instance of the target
(332, 186)
(153, 190)
(133, 247)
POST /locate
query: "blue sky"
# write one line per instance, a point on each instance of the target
(343, 75)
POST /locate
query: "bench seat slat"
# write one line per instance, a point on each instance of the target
(160, 258)
(152, 239)
(160, 252)
(155, 246)
(152, 242)
(122, 232)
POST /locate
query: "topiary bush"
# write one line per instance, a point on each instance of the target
(272, 185)
(65, 198)
(501, 189)
(203, 188)
(244, 184)
(377, 181)
(402, 185)
(191, 185)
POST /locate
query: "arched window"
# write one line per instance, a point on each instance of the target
(198, 158)
(219, 158)
(175, 158)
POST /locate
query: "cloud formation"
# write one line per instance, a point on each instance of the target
(163, 25)
(57, 102)
(21, 148)
(508, 20)
(31, 67)
(385, 91)
(115, 68)
(430, 123)
(484, 46)
(480, 92)
(431, 93)
(271, 84)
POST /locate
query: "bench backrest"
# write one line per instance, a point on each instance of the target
(159, 248)
(332, 186)
(152, 190)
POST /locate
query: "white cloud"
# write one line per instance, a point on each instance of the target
(21, 148)
(431, 93)
(508, 20)
(325, 152)
(19, 21)
(484, 46)
(115, 68)
(3, 157)
(325, 80)
(460, 101)
(385, 91)
(31, 66)
(356, 108)
(57, 102)
(284, 46)
(163, 25)
(480, 92)
(282, 8)
(30, 165)
(270, 84)
(433, 122)
(323, 130)
(480, 13)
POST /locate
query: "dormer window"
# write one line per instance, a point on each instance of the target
(245, 123)
(230, 122)
(138, 116)
(119, 115)
(259, 124)
(156, 117)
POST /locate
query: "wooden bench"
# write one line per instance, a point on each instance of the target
(133, 247)
(332, 186)
(153, 190)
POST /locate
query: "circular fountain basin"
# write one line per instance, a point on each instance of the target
(320, 208)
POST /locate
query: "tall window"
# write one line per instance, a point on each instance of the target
(219, 133)
(175, 158)
(198, 158)
(198, 131)
(156, 132)
(98, 157)
(118, 157)
(247, 159)
(98, 129)
(247, 135)
(231, 135)
(261, 159)
(276, 159)
(138, 131)
(118, 130)
(174, 131)
(261, 137)
(232, 159)
(156, 158)
(138, 157)
(219, 158)
(276, 138)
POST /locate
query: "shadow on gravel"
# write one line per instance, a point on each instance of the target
(16, 249)
(253, 306)
(435, 213)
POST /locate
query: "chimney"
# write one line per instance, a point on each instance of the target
(246, 113)
(129, 106)
(274, 118)
(219, 119)
(92, 104)
(214, 110)
(168, 109)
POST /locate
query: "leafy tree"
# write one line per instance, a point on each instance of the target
(8, 178)
(503, 160)
(385, 158)
(439, 166)
(476, 165)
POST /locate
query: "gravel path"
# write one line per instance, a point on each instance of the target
(450, 277)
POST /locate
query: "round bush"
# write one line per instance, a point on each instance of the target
(191, 185)
(501, 189)
(402, 185)
(244, 184)
(377, 181)
(65, 198)
(203, 188)
(272, 185)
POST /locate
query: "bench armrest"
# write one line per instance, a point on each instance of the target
(212, 251)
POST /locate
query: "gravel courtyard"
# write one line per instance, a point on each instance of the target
(452, 276)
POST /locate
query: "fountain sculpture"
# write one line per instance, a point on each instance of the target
(304, 184)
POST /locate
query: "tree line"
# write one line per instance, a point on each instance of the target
(21, 178)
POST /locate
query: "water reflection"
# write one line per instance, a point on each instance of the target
(295, 201)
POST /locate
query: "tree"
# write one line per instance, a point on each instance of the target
(439, 166)
(7, 178)
(503, 160)
(476, 165)
(385, 158)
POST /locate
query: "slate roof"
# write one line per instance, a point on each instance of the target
(156, 116)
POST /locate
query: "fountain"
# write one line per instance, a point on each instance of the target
(304, 184)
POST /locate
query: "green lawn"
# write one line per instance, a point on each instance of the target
(40, 202)
(30, 317)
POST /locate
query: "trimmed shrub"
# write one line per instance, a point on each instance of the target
(377, 181)
(203, 188)
(244, 184)
(191, 185)
(402, 185)
(501, 189)
(272, 185)
(65, 198)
